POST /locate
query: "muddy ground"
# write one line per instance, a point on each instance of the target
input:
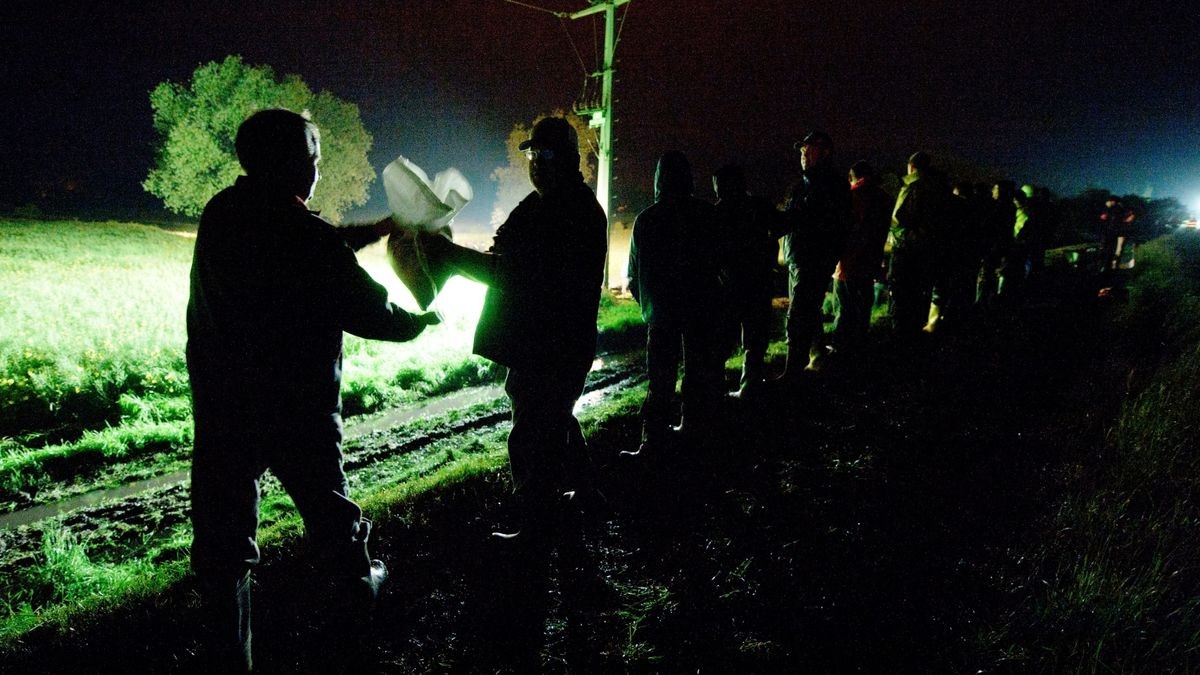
(872, 519)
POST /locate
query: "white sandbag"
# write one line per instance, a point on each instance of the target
(417, 204)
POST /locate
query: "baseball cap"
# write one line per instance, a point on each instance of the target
(814, 137)
(552, 132)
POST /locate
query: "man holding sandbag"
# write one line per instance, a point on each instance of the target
(544, 273)
(273, 287)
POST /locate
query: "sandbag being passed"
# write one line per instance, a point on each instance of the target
(420, 204)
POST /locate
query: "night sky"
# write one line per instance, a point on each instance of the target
(1063, 94)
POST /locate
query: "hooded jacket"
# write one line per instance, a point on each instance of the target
(919, 217)
(673, 268)
(870, 217)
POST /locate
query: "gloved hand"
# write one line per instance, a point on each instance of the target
(385, 226)
(428, 318)
(436, 245)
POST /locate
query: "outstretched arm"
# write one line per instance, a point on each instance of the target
(360, 236)
(475, 265)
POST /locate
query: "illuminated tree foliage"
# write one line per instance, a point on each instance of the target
(512, 179)
(197, 123)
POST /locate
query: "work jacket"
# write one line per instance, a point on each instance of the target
(540, 309)
(273, 287)
(673, 266)
(817, 213)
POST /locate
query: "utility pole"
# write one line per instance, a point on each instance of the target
(602, 115)
(602, 111)
(599, 112)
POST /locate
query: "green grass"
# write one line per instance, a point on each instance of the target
(1118, 587)
(94, 312)
(30, 470)
(93, 387)
(92, 370)
(74, 585)
(91, 311)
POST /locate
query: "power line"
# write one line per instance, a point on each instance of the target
(582, 66)
(540, 9)
(622, 26)
(595, 42)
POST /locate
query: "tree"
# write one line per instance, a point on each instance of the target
(197, 124)
(512, 179)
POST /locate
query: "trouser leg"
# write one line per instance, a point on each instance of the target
(911, 290)
(309, 465)
(855, 297)
(804, 326)
(546, 447)
(842, 319)
(756, 325)
(225, 495)
(663, 349)
(703, 374)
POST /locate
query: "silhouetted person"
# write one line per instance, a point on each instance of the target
(817, 215)
(918, 220)
(673, 274)
(273, 287)
(1115, 226)
(960, 256)
(544, 273)
(1047, 219)
(997, 238)
(1015, 267)
(952, 259)
(854, 277)
(749, 249)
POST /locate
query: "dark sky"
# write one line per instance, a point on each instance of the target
(1064, 94)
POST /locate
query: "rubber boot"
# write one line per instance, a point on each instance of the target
(752, 376)
(935, 313)
(225, 640)
(793, 364)
(538, 515)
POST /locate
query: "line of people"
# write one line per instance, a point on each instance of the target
(702, 273)
(274, 286)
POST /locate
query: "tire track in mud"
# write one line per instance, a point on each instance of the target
(111, 522)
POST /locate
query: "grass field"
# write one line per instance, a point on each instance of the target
(94, 393)
(94, 314)
(92, 368)
(1114, 582)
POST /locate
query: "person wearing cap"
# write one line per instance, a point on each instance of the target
(674, 276)
(544, 274)
(273, 288)
(817, 215)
